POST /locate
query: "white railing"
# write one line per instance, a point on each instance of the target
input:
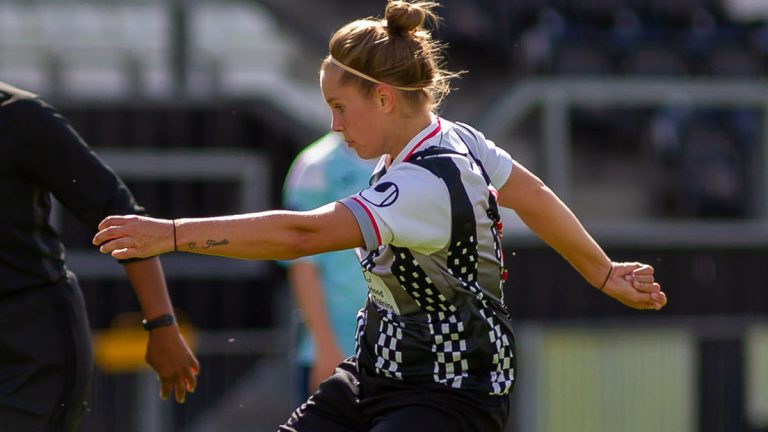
(251, 172)
(557, 97)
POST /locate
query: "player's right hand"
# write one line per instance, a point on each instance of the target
(633, 284)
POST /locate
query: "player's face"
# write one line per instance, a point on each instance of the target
(354, 114)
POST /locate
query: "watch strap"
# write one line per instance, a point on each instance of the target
(161, 321)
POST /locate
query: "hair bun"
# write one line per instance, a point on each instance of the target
(403, 17)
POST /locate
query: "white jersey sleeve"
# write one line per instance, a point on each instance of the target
(496, 161)
(407, 207)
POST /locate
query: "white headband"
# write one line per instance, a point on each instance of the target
(369, 78)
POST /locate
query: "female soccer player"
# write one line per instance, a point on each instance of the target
(435, 347)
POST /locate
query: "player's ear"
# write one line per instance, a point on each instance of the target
(384, 97)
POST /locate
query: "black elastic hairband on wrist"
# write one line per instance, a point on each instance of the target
(608, 276)
(161, 321)
(175, 249)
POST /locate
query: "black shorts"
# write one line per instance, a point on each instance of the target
(352, 401)
(45, 358)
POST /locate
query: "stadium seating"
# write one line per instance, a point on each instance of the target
(123, 49)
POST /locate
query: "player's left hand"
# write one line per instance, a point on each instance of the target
(134, 236)
(633, 284)
(173, 361)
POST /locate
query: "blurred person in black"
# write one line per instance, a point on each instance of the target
(45, 347)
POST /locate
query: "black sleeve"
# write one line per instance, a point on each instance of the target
(64, 164)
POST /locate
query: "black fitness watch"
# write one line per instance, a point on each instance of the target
(161, 321)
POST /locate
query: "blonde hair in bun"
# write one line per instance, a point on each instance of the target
(397, 50)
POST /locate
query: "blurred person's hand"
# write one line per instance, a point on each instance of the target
(326, 360)
(173, 361)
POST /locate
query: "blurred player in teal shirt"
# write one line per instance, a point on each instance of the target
(328, 288)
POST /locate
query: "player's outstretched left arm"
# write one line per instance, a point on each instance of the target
(633, 284)
(270, 235)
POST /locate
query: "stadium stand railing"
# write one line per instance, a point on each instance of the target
(557, 99)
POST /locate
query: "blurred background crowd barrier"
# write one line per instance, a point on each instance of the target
(647, 117)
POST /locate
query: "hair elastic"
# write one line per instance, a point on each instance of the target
(367, 77)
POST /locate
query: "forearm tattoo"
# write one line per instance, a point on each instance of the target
(208, 244)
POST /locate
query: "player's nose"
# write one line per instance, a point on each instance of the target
(336, 124)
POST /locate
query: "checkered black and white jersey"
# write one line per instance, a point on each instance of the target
(433, 263)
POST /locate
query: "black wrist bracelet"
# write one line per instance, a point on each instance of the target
(161, 321)
(608, 276)
(175, 249)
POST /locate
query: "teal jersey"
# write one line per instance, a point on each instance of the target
(324, 172)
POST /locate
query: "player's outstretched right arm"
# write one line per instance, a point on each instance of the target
(632, 284)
